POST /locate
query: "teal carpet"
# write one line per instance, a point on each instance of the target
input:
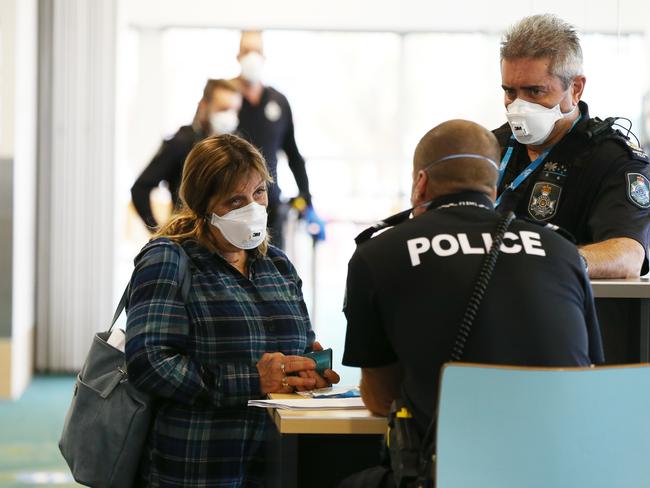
(29, 433)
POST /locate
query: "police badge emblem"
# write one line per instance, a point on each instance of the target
(638, 189)
(544, 200)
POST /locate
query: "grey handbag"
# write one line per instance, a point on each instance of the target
(108, 420)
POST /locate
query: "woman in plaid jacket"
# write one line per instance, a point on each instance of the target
(236, 336)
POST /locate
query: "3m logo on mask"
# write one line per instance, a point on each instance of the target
(520, 128)
(445, 245)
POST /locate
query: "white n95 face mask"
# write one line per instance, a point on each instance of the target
(244, 227)
(224, 122)
(252, 65)
(532, 123)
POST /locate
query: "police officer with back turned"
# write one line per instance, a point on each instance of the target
(408, 287)
(559, 165)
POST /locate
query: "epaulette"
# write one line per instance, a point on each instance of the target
(555, 228)
(391, 221)
(635, 151)
(598, 130)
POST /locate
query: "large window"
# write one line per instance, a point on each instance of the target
(360, 101)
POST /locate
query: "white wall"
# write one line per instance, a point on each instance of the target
(607, 16)
(7, 75)
(404, 16)
(75, 258)
(24, 194)
(18, 74)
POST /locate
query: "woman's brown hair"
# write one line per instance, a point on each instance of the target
(212, 168)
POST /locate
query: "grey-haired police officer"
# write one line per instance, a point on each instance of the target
(560, 166)
(407, 288)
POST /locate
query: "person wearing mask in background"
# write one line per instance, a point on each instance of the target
(559, 165)
(408, 288)
(216, 114)
(265, 120)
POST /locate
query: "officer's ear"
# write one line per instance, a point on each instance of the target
(577, 88)
(419, 192)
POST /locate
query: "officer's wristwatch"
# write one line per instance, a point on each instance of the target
(584, 262)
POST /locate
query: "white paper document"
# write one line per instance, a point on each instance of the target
(309, 403)
(117, 339)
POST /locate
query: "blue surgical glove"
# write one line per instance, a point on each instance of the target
(315, 226)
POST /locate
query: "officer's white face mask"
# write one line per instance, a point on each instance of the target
(224, 122)
(532, 123)
(243, 227)
(252, 66)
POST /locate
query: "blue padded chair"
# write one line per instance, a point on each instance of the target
(511, 427)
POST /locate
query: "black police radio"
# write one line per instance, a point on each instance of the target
(597, 128)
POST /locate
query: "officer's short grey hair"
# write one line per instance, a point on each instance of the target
(546, 36)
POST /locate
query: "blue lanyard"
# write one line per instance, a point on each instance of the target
(530, 169)
(523, 175)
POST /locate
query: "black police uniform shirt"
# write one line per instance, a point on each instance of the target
(594, 186)
(408, 287)
(166, 165)
(269, 127)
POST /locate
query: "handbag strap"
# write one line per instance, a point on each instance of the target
(464, 330)
(184, 274)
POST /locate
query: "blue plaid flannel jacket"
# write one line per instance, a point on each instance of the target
(198, 359)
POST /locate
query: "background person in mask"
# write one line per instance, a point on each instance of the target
(558, 165)
(265, 120)
(237, 335)
(216, 113)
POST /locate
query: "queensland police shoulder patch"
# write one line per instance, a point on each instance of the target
(638, 189)
(544, 200)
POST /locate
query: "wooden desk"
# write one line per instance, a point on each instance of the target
(623, 288)
(635, 294)
(318, 448)
(354, 421)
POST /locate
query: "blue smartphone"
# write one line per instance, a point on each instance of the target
(323, 359)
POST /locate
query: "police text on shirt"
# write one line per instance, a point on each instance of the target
(444, 245)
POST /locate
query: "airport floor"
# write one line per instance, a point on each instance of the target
(29, 432)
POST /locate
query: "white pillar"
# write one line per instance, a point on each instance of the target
(76, 179)
(18, 67)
